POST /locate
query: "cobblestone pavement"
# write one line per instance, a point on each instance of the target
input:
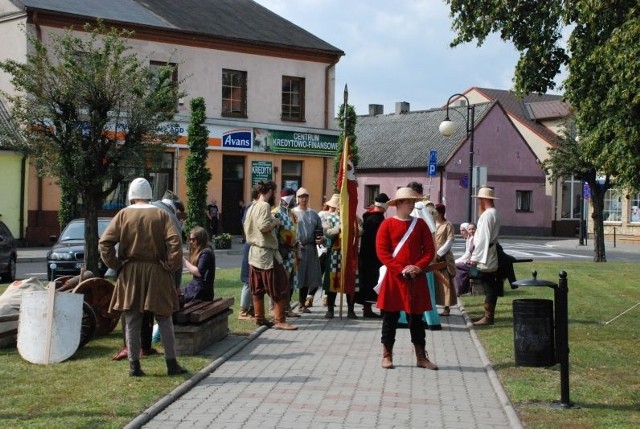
(327, 374)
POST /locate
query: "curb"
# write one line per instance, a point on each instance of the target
(173, 396)
(508, 407)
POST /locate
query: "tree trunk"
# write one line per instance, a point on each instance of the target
(597, 203)
(93, 203)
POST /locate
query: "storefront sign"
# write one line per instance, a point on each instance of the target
(237, 139)
(263, 140)
(261, 170)
(295, 142)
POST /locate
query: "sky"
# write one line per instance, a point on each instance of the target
(399, 51)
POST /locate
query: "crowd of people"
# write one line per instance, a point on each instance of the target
(291, 252)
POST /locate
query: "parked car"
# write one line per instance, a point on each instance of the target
(66, 257)
(8, 254)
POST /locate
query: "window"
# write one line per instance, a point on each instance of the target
(370, 193)
(523, 201)
(571, 193)
(634, 208)
(612, 211)
(234, 93)
(291, 174)
(159, 173)
(155, 67)
(292, 98)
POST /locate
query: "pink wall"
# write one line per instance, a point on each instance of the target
(511, 166)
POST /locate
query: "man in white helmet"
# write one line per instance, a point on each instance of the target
(149, 254)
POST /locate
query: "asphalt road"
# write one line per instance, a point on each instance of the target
(536, 249)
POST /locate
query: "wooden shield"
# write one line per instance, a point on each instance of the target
(49, 326)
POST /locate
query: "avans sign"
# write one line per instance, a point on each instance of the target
(237, 139)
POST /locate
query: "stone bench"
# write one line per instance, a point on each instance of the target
(200, 324)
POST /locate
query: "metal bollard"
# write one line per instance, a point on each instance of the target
(562, 337)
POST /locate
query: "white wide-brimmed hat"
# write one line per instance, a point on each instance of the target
(487, 193)
(405, 194)
(334, 201)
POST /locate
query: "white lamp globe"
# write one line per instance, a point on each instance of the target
(447, 128)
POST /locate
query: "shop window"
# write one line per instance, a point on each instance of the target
(160, 177)
(291, 174)
(612, 211)
(234, 93)
(292, 98)
(370, 193)
(571, 193)
(523, 201)
(634, 208)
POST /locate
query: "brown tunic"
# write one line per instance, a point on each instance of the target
(149, 252)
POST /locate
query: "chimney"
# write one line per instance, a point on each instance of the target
(402, 107)
(376, 109)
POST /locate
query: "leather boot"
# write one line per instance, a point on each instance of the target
(173, 368)
(258, 309)
(423, 359)
(281, 321)
(134, 369)
(387, 357)
(368, 313)
(308, 302)
(478, 318)
(244, 314)
(489, 311)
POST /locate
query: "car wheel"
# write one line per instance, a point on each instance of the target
(10, 275)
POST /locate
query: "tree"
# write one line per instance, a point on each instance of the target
(90, 111)
(197, 173)
(567, 159)
(603, 82)
(350, 132)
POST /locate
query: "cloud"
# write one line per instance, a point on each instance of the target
(399, 51)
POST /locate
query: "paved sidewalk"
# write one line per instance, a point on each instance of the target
(327, 374)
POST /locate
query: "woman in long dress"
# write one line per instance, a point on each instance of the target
(404, 287)
(444, 237)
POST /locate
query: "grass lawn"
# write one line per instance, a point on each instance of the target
(604, 360)
(92, 391)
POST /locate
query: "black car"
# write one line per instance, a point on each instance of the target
(66, 258)
(8, 254)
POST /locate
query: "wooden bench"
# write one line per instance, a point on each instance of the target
(200, 324)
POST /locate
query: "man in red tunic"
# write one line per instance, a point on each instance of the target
(404, 287)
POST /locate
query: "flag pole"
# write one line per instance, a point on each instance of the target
(343, 264)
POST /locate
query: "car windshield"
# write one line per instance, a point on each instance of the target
(75, 230)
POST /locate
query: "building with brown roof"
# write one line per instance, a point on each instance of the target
(268, 86)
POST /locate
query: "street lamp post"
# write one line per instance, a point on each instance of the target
(448, 127)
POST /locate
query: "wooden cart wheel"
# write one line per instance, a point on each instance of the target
(97, 293)
(61, 283)
(88, 327)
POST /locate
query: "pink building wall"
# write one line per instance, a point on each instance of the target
(511, 166)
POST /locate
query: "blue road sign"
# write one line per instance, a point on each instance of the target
(433, 157)
(586, 191)
(432, 170)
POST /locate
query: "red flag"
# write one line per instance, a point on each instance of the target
(349, 232)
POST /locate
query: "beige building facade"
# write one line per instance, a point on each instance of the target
(268, 86)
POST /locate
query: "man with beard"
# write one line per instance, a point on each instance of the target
(266, 272)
